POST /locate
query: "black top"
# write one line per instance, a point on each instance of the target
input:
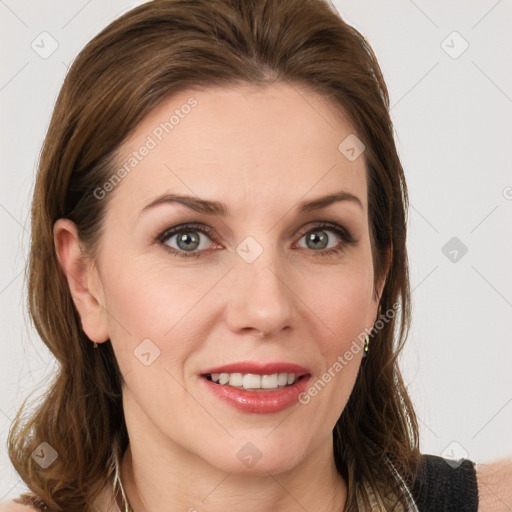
(444, 485)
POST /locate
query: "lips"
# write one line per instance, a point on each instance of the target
(259, 368)
(259, 401)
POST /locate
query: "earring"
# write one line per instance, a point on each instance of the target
(95, 345)
(366, 345)
(367, 341)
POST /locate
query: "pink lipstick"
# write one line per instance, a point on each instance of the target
(253, 387)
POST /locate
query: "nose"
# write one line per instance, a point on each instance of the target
(259, 299)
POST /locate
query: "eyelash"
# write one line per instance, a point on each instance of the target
(343, 233)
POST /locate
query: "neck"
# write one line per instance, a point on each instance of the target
(321, 489)
(186, 474)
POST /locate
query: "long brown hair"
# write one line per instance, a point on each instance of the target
(124, 72)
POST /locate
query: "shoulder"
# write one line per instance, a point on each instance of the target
(12, 506)
(495, 485)
(444, 484)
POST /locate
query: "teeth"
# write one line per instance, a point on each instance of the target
(252, 381)
(236, 379)
(269, 381)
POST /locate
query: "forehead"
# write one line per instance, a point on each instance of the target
(246, 146)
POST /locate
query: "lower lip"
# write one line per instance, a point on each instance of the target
(259, 402)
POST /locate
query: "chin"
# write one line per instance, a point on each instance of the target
(258, 457)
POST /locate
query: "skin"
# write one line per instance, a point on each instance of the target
(495, 485)
(260, 152)
(137, 290)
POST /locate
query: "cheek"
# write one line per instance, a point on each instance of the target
(341, 310)
(142, 303)
(149, 298)
(170, 307)
(341, 300)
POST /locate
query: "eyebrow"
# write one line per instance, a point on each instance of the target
(220, 209)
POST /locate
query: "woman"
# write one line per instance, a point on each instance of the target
(219, 264)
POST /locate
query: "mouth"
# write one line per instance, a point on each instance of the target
(253, 381)
(255, 387)
(255, 376)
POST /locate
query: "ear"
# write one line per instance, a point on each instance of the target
(83, 280)
(379, 288)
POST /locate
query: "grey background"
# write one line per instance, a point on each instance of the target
(453, 126)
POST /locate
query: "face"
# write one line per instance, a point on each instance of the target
(262, 286)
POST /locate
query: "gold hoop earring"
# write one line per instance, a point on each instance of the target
(95, 345)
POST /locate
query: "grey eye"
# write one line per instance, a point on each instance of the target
(318, 238)
(187, 240)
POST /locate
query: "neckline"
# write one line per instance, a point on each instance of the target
(122, 504)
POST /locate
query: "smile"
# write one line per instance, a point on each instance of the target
(254, 387)
(251, 381)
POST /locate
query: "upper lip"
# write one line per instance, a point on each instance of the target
(259, 368)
